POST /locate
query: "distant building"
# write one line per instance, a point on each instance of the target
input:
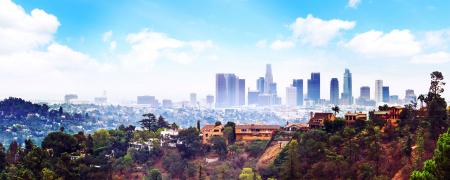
(146, 100)
(386, 94)
(410, 96)
(264, 99)
(298, 84)
(314, 87)
(210, 100)
(241, 92)
(393, 99)
(70, 97)
(291, 96)
(347, 95)
(252, 97)
(365, 93)
(295, 127)
(391, 116)
(260, 84)
(193, 99)
(227, 90)
(100, 100)
(167, 103)
(379, 91)
(334, 91)
(268, 80)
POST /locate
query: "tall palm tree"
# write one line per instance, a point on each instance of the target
(421, 98)
(336, 109)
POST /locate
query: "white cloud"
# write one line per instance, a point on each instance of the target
(106, 37)
(437, 39)
(353, 3)
(397, 43)
(112, 45)
(20, 31)
(317, 32)
(148, 46)
(279, 44)
(432, 58)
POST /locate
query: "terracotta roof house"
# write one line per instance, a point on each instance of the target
(251, 132)
(318, 119)
(209, 131)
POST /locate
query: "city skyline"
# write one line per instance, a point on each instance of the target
(57, 50)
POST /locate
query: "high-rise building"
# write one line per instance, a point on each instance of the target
(241, 92)
(378, 91)
(147, 100)
(268, 80)
(314, 87)
(193, 99)
(260, 84)
(291, 96)
(347, 96)
(386, 94)
(227, 90)
(167, 103)
(70, 97)
(273, 89)
(365, 93)
(393, 99)
(210, 100)
(252, 97)
(410, 96)
(334, 91)
(298, 84)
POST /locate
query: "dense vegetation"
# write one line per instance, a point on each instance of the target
(372, 149)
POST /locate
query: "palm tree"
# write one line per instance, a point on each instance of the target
(336, 109)
(421, 98)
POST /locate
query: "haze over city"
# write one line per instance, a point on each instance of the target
(48, 49)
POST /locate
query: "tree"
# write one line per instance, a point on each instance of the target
(230, 133)
(2, 158)
(162, 123)
(13, 152)
(218, 123)
(436, 105)
(439, 166)
(219, 146)
(335, 109)
(101, 139)
(190, 142)
(249, 174)
(421, 98)
(198, 125)
(59, 142)
(28, 145)
(291, 166)
(174, 126)
(149, 122)
(174, 164)
(154, 174)
(48, 174)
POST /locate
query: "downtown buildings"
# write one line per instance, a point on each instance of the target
(334, 91)
(230, 90)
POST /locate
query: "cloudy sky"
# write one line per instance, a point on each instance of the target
(172, 48)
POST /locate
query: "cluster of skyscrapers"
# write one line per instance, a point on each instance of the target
(230, 91)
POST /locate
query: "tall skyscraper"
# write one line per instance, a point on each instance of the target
(227, 90)
(210, 100)
(410, 96)
(386, 94)
(241, 92)
(365, 93)
(291, 96)
(268, 80)
(314, 87)
(252, 97)
(378, 91)
(334, 91)
(298, 84)
(193, 98)
(260, 84)
(347, 96)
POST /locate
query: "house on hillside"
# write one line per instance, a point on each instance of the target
(350, 117)
(294, 127)
(391, 115)
(169, 138)
(318, 120)
(251, 132)
(209, 131)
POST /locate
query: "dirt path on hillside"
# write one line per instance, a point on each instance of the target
(270, 154)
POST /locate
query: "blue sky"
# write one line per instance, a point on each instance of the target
(130, 48)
